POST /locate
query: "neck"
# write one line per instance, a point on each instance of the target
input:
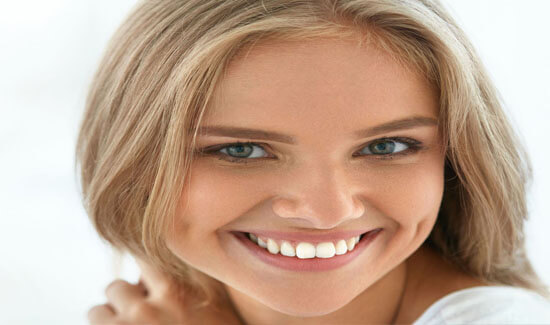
(380, 303)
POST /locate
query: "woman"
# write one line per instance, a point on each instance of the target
(329, 161)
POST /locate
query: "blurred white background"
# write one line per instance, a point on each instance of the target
(53, 267)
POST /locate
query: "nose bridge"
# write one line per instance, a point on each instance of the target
(320, 195)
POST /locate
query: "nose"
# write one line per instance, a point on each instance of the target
(320, 198)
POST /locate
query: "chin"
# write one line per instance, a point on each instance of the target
(314, 304)
(310, 309)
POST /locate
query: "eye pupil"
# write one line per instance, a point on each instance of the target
(382, 147)
(240, 149)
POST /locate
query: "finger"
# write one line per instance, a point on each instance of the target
(101, 314)
(142, 285)
(123, 295)
(156, 282)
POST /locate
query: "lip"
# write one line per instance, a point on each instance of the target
(311, 264)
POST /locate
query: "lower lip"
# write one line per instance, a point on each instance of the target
(309, 264)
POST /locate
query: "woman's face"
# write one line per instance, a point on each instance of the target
(357, 151)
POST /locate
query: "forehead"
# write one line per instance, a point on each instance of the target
(318, 84)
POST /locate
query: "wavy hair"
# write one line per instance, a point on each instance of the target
(157, 77)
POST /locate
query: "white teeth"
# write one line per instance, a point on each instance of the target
(325, 250)
(341, 247)
(351, 243)
(272, 246)
(262, 243)
(305, 250)
(287, 249)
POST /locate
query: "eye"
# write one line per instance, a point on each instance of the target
(240, 152)
(243, 150)
(385, 147)
(252, 152)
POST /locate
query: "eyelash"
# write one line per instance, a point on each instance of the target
(413, 146)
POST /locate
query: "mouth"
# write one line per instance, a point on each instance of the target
(312, 255)
(305, 249)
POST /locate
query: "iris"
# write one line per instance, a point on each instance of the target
(382, 148)
(238, 150)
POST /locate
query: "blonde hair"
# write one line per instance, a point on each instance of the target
(157, 77)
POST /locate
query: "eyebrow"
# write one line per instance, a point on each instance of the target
(238, 132)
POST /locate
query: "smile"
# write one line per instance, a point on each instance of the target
(295, 255)
(327, 249)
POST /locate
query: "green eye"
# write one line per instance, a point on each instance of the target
(382, 147)
(243, 150)
(239, 150)
(385, 147)
(248, 152)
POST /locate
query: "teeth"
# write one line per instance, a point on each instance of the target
(351, 243)
(287, 249)
(341, 247)
(272, 246)
(262, 243)
(325, 250)
(305, 250)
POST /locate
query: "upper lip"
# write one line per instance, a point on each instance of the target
(310, 237)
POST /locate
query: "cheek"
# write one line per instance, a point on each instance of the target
(409, 196)
(213, 198)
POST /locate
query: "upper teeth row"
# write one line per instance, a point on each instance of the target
(304, 249)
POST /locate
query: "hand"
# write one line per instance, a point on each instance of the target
(154, 300)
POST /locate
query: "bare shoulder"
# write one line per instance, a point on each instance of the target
(430, 278)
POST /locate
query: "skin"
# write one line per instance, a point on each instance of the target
(319, 91)
(155, 299)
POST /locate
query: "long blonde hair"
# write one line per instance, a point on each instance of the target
(157, 77)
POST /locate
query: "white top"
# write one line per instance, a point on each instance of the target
(488, 305)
